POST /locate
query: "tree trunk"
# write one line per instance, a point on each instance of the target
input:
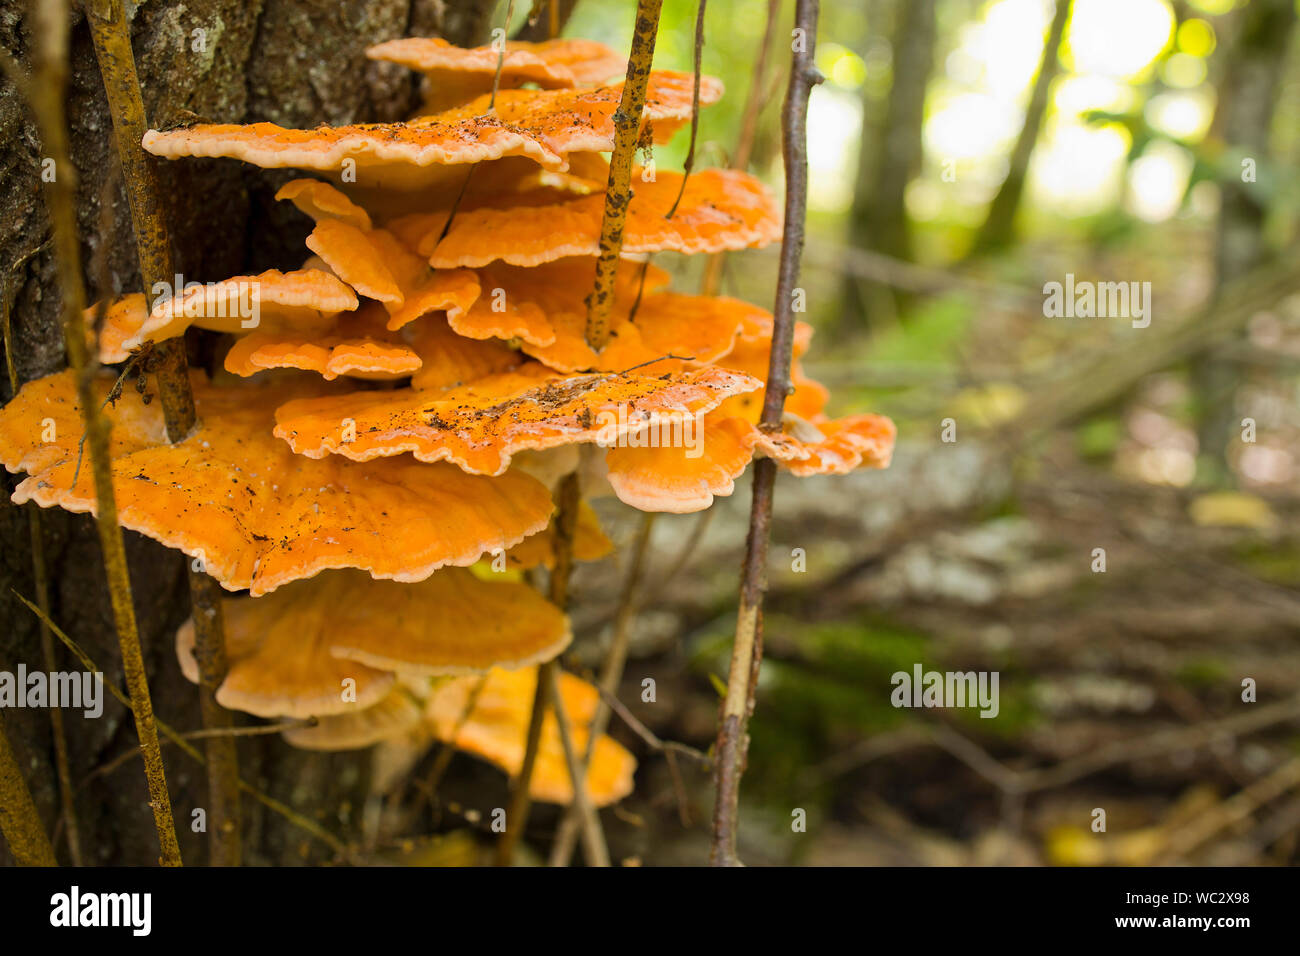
(1244, 117)
(293, 62)
(887, 163)
(999, 226)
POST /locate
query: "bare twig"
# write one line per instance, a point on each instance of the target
(593, 839)
(754, 100)
(695, 108)
(611, 675)
(501, 61)
(50, 33)
(618, 192)
(565, 528)
(112, 43)
(747, 648)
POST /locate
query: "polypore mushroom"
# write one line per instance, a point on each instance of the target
(497, 726)
(454, 74)
(479, 426)
(257, 515)
(721, 209)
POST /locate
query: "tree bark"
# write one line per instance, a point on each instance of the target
(999, 226)
(293, 62)
(1244, 118)
(878, 221)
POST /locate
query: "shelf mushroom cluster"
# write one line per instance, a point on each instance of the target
(394, 415)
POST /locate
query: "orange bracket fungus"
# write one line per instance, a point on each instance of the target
(403, 406)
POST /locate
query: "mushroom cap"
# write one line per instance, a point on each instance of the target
(278, 649)
(830, 446)
(674, 479)
(291, 651)
(122, 320)
(551, 64)
(497, 727)
(545, 309)
(721, 209)
(393, 716)
(453, 622)
(303, 300)
(590, 543)
(320, 200)
(373, 261)
(542, 125)
(479, 426)
(527, 304)
(358, 346)
(258, 515)
(450, 360)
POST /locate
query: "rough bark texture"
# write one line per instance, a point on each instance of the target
(293, 62)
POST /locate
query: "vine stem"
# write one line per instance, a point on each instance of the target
(112, 42)
(46, 97)
(618, 192)
(747, 648)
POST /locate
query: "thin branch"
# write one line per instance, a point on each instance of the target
(565, 528)
(611, 675)
(695, 108)
(618, 192)
(50, 33)
(747, 648)
(754, 100)
(652, 740)
(593, 838)
(112, 42)
(501, 60)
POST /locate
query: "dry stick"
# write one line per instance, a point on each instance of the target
(501, 58)
(112, 43)
(695, 105)
(179, 739)
(754, 101)
(46, 95)
(40, 580)
(611, 675)
(19, 821)
(618, 192)
(1196, 831)
(566, 525)
(747, 649)
(593, 838)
